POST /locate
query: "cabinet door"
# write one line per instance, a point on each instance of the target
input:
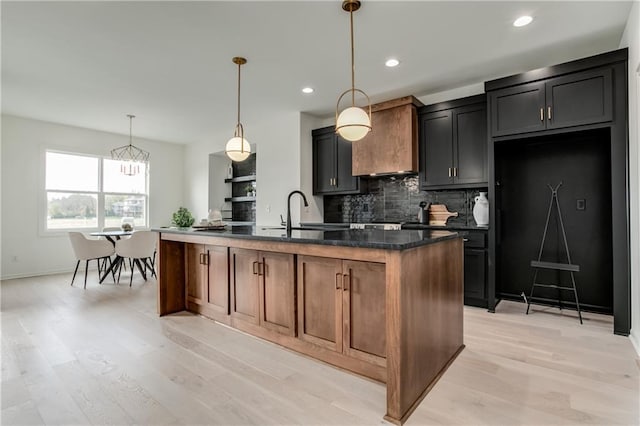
(471, 145)
(364, 299)
(436, 148)
(244, 285)
(320, 301)
(518, 109)
(475, 273)
(581, 98)
(345, 180)
(277, 292)
(324, 161)
(218, 271)
(196, 278)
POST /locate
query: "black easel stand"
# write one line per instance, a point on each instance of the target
(568, 267)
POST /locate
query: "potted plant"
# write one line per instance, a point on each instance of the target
(182, 218)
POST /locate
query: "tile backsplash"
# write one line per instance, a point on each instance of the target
(397, 199)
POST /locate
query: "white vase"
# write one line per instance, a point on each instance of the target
(481, 210)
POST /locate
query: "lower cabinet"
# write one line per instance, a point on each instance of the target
(475, 269)
(341, 306)
(207, 279)
(263, 289)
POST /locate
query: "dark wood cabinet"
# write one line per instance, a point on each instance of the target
(341, 306)
(208, 280)
(332, 158)
(262, 289)
(475, 269)
(453, 144)
(571, 100)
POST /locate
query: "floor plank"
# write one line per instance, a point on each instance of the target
(103, 356)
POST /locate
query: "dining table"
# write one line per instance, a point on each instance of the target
(112, 237)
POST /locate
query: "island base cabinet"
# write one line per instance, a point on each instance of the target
(341, 306)
(207, 278)
(262, 289)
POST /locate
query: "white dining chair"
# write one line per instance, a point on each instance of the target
(86, 249)
(139, 249)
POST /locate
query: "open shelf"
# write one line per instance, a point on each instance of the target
(240, 199)
(248, 178)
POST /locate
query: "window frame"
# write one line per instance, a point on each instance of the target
(100, 193)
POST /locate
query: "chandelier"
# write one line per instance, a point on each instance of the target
(130, 156)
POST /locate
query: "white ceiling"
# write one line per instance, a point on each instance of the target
(88, 64)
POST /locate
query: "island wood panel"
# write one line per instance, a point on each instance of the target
(424, 321)
(323, 250)
(364, 292)
(320, 301)
(171, 276)
(217, 298)
(277, 292)
(244, 285)
(196, 274)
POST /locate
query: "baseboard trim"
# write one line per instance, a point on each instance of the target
(41, 273)
(635, 340)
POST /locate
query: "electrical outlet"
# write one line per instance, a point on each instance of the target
(581, 204)
(268, 208)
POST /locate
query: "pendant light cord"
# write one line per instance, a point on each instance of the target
(353, 66)
(239, 65)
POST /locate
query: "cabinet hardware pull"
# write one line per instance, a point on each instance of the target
(449, 171)
(205, 258)
(549, 113)
(338, 275)
(455, 171)
(261, 268)
(255, 264)
(541, 114)
(345, 287)
(200, 258)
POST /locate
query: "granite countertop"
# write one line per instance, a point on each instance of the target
(365, 238)
(408, 225)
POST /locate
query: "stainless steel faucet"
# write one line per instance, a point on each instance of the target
(306, 204)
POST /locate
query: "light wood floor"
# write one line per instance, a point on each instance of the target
(103, 356)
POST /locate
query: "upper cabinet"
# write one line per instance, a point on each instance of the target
(571, 100)
(332, 164)
(453, 144)
(392, 144)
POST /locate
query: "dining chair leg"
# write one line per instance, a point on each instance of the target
(132, 271)
(86, 270)
(74, 272)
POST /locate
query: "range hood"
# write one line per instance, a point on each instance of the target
(392, 145)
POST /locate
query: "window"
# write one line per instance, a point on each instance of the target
(86, 192)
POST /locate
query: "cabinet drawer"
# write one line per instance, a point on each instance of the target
(475, 240)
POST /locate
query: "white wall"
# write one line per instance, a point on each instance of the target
(278, 147)
(631, 39)
(23, 142)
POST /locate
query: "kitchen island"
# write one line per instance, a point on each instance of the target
(383, 304)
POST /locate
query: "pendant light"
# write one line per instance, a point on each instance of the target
(238, 148)
(130, 156)
(353, 123)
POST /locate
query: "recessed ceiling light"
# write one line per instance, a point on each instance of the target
(522, 21)
(307, 90)
(392, 63)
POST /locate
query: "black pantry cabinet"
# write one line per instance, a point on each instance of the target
(453, 144)
(571, 100)
(332, 164)
(554, 120)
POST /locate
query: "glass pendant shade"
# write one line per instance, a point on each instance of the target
(238, 149)
(353, 124)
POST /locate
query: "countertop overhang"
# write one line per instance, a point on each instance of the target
(363, 238)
